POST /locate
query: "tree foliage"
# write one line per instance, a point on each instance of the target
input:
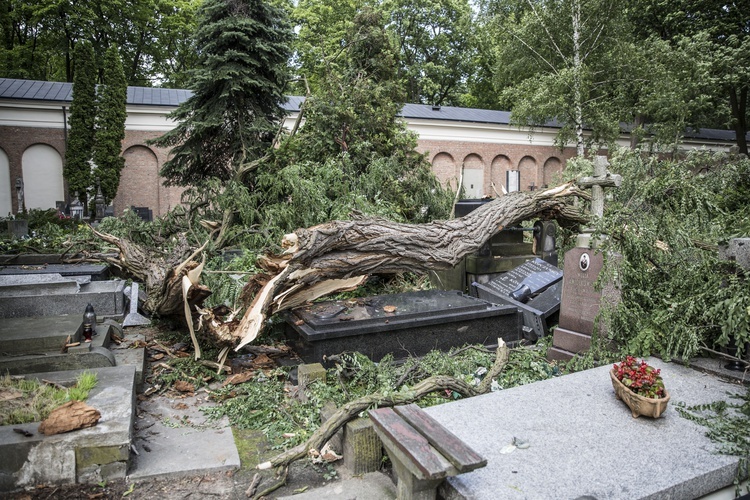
(110, 125)
(353, 152)
(555, 62)
(436, 45)
(234, 111)
(717, 34)
(77, 168)
(665, 222)
(39, 37)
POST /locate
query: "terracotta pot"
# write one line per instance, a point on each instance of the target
(639, 405)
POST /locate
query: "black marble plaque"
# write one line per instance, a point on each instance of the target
(542, 300)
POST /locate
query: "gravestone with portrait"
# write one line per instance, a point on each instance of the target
(581, 301)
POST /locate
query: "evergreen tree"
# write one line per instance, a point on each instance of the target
(110, 124)
(77, 170)
(231, 118)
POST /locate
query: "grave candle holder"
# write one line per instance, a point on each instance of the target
(89, 323)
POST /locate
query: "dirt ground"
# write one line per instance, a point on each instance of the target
(301, 475)
(229, 485)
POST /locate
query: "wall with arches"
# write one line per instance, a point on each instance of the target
(36, 155)
(6, 192)
(27, 152)
(42, 171)
(485, 165)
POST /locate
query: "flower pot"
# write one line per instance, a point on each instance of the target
(639, 405)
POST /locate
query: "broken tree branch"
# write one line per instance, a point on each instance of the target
(353, 249)
(352, 409)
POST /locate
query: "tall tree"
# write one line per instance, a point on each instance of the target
(110, 125)
(77, 168)
(353, 152)
(40, 36)
(436, 47)
(717, 34)
(231, 118)
(555, 60)
(322, 28)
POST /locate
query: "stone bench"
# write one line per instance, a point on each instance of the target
(422, 451)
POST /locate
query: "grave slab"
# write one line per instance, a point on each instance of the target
(581, 436)
(173, 438)
(97, 272)
(91, 455)
(106, 297)
(18, 285)
(402, 324)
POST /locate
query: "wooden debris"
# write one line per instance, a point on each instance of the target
(71, 416)
(56, 385)
(64, 347)
(253, 486)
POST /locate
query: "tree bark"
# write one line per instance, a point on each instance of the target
(738, 102)
(161, 274)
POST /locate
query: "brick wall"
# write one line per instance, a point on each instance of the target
(15, 140)
(537, 164)
(141, 186)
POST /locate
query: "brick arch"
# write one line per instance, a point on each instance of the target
(528, 168)
(551, 171)
(139, 181)
(42, 171)
(473, 176)
(500, 165)
(445, 169)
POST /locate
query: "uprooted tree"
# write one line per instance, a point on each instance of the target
(336, 256)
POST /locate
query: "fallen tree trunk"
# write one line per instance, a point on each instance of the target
(348, 251)
(160, 273)
(377, 400)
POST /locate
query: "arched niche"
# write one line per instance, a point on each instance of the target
(473, 178)
(139, 181)
(500, 165)
(551, 171)
(42, 169)
(444, 168)
(528, 169)
(6, 192)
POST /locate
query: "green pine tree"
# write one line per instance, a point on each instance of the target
(232, 116)
(77, 169)
(110, 124)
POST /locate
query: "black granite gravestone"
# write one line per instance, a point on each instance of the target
(534, 287)
(402, 324)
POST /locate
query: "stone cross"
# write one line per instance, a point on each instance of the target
(602, 178)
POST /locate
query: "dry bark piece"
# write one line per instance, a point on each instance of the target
(183, 386)
(390, 309)
(239, 378)
(71, 416)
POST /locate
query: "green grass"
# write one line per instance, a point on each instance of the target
(26, 400)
